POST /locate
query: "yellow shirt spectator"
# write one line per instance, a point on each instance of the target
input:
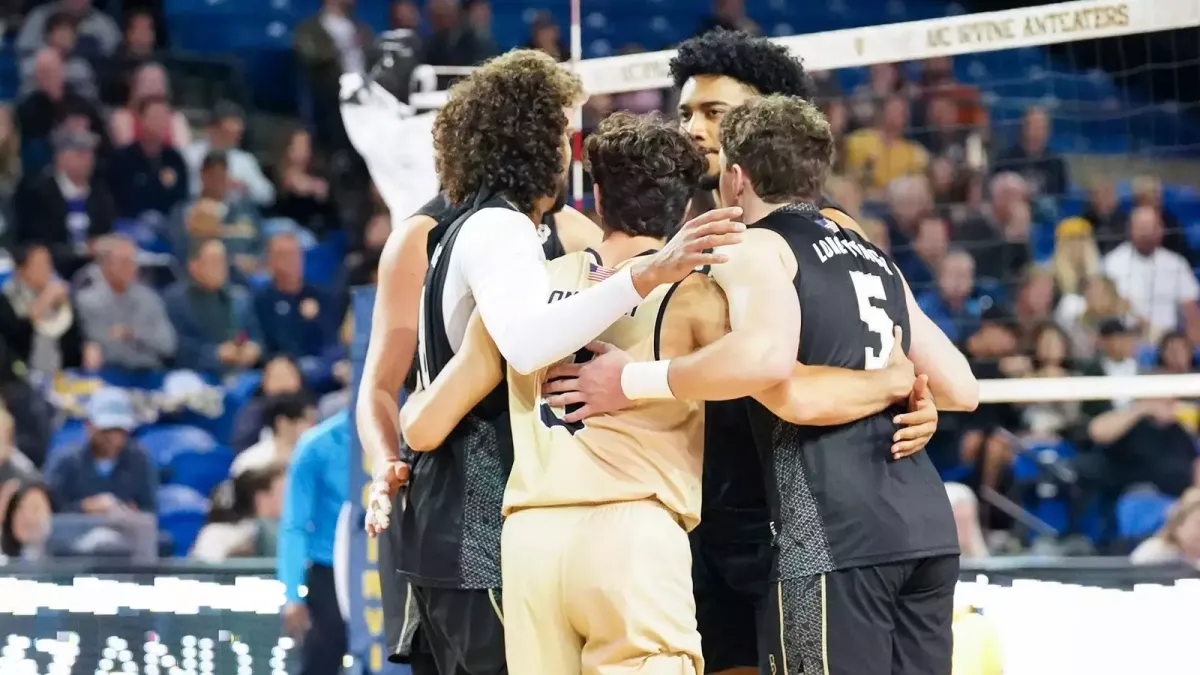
(879, 161)
(976, 645)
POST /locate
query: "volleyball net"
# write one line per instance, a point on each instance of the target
(1113, 112)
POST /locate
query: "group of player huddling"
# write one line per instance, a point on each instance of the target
(558, 439)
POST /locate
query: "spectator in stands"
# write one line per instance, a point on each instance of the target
(41, 110)
(942, 134)
(316, 491)
(31, 414)
(1176, 354)
(297, 318)
(1159, 284)
(404, 14)
(1044, 171)
(110, 473)
(213, 319)
(1081, 314)
(99, 34)
(1032, 304)
(880, 154)
(937, 80)
(1179, 539)
(1116, 356)
(546, 36)
(280, 376)
(950, 306)
(302, 186)
(221, 213)
(1145, 443)
(285, 418)
(149, 176)
(127, 124)
(1148, 191)
(339, 399)
(78, 73)
(884, 81)
(966, 519)
(1076, 256)
(27, 520)
(929, 249)
(136, 50)
(10, 155)
(999, 239)
(36, 318)
(125, 317)
(729, 15)
(327, 45)
(65, 208)
(244, 521)
(1052, 357)
(1103, 211)
(14, 465)
(909, 202)
(839, 120)
(225, 130)
(455, 42)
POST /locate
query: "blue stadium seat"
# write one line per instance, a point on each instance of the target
(72, 434)
(1140, 513)
(181, 513)
(165, 441)
(201, 470)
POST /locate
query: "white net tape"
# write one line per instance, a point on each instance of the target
(949, 36)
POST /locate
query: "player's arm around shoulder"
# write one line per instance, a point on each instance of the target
(393, 343)
(576, 231)
(764, 321)
(430, 415)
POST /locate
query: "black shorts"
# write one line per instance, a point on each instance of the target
(892, 619)
(463, 629)
(730, 579)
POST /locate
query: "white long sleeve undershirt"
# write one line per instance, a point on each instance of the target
(500, 258)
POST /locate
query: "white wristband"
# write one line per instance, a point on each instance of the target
(646, 380)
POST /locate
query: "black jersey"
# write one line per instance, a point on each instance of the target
(441, 209)
(837, 497)
(735, 499)
(450, 529)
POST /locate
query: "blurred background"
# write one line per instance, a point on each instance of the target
(182, 218)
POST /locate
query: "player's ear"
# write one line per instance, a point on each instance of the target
(596, 199)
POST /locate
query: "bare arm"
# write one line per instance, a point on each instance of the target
(429, 416)
(1110, 426)
(760, 350)
(576, 231)
(951, 381)
(402, 267)
(813, 395)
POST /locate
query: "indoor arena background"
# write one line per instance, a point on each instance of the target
(1021, 137)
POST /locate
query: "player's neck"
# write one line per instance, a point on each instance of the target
(755, 209)
(617, 247)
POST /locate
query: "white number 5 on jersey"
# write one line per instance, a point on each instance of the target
(869, 287)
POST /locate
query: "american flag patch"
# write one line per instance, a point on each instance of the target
(830, 225)
(598, 273)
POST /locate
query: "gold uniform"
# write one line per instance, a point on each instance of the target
(594, 554)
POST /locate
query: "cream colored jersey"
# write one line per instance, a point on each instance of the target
(652, 450)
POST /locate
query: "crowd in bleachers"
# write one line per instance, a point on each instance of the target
(174, 305)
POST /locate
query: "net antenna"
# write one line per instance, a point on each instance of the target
(577, 111)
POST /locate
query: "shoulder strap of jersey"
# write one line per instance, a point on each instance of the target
(662, 311)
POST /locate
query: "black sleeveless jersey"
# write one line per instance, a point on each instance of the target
(441, 209)
(735, 499)
(836, 496)
(450, 529)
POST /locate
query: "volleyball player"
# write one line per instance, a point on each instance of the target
(596, 564)
(716, 72)
(866, 554)
(502, 150)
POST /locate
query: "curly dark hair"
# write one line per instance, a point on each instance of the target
(647, 169)
(503, 129)
(754, 61)
(784, 144)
